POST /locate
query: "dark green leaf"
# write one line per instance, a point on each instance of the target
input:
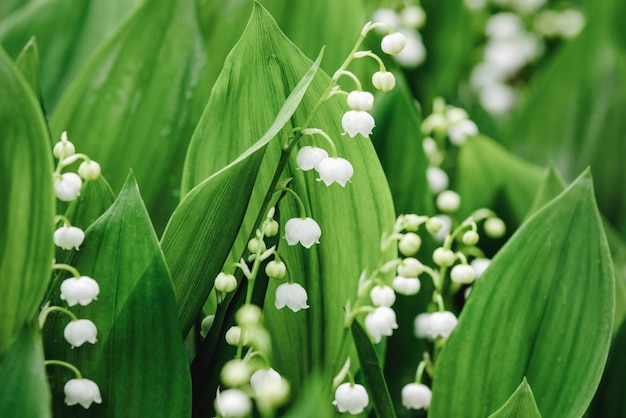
(372, 373)
(521, 404)
(26, 203)
(139, 360)
(25, 391)
(545, 304)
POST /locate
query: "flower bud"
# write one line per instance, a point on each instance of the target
(357, 122)
(225, 282)
(248, 316)
(276, 269)
(382, 296)
(393, 43)
(234, 335)
(433, 225)
(63, 149)
(416, 396)
(235, 373)
(232, 403)
(89, 170)
(67, 187)
(309, 158)
(413, 17)
(79, 331)
(361, 100)
(271, 389)
(81, 391)
(254, 244)
(270, 228)
(410, 267)
(470, 238)
(443, 257)
(495, 227)
(68, 237)
(384, 81)
(409, 244)
(448, 201)
(462, 274)
(407, 286)
(206, 324)
(335, 170)
(437, 179)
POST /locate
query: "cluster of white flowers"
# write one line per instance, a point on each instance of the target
(514, 39)
(67, 186)
(407, 20)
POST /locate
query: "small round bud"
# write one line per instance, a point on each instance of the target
(235, 373)
(410, 267)
(234, 335)
(448, 201)
(495, 227)
(254, 244)
(206, 324)
(470, 238)
(89, 170)
(443, 257)
(249, 316)
(276, 269)
(409, 244)
(225, 283)
(63, 149)
(361, 100)
(270, 228)
(393, 44)
(433, 225)
(382, 296)
(384, 81)
(406, 285)
(429, 146)
(462, 274)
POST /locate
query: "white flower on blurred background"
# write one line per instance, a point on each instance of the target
(67, 186)
(382, 296)
(383, 80)
(80, 331)
(271, 389)
(79, 290)
(309, 158)
(335, 170)
(393, 43)
(416, 396)
(360, 100)
(351, 398)
(81, 391)
(414, 51)
(357, 122)
(304, 231)
(441, 324)
(68, 237)
(437, 179)
(232, 403)
(291, 295)
(407, 285)
(381, 322)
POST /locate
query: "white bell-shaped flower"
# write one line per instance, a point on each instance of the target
(381, 322)
(438, 180)
(382, 296)
(304, 231)
(79, 290)
(361, 100)
(441, 324)
(225, 282)
(383, 80)
(458, 133)
(233, 403)
(410, 267)
(309, 158)
(357, 122)
(406, 285)
(89, 170)
(416, 396)
(335, 170)
(271, 389)
(393, 43)
(81, 391)
(68, 237)
(67, 187)
(80, 331)
(422, 325)
(291, 295)
(351, 398)
(463, 274)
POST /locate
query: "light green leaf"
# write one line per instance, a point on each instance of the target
(28, 63)
(544, 305)
(25, 391)
(372, 373)
(137, 101)
(139, 360)
(521, 404)
(68, 32)
(26, 203)
(490, 176)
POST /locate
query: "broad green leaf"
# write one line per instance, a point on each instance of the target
(139, 360)
(372, 373)
(490, 176)
(205, 224)
(264, 66)
(574, 113)
(550, 187)
(95, 198)
(544, 305)
(521, 404)
(25, 391)
(28, 63)
(137, 101)
(398, 142)
(68, 32)
(26, 203)
(314, 401)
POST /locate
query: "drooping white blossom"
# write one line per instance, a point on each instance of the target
(382, 296)
(291, 295)
(361, 100)
(89, 170)
(79, 290)
(393, 43)
(232, 403)
(459, 132)
(271, 389)
(80, 331)
(335, 170)
(357, 122)
(383, 80)
(81, 391)
(309, 158)
(381, 322)
(441, 324)
(67, 187)
(351, 398)
(463, 274)
(68, 237)
(225, 282)
(406, 285)
(410, 267)
(304, 231)
(416, 396)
